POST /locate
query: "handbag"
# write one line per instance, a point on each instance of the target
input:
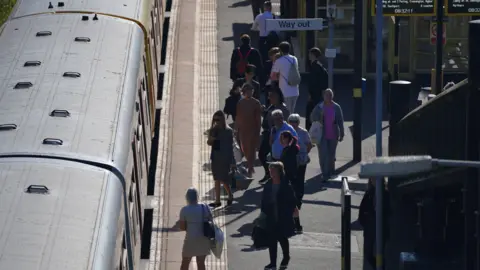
(302, 159)
(237, 152)
(316, 131)
(208, 226)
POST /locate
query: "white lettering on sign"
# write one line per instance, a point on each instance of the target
(294, 24)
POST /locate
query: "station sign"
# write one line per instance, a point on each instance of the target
(462, 7)
(407, 8)
(294, 24)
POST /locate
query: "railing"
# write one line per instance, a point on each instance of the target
(346, 224)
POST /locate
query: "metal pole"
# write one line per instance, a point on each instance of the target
(439, 50)
(396, 63)
(379, 101)
(357, 81)
(330, 46)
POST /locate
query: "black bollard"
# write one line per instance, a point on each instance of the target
(399, 101)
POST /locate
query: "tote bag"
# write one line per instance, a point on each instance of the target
(316, 131)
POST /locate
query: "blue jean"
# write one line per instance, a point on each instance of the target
(327, 153)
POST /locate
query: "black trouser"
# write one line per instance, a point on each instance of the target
(263, 48)
(299, 185)
(272, 249)
(257, 7)
(310, 106)
(264, 150)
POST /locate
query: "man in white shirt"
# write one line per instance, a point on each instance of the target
(260, 25)
(280, 71)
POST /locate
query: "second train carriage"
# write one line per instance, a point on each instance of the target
(76, 84)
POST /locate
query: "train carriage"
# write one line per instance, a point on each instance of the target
(78, 79)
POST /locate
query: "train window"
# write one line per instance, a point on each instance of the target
(138, 174)
(139, 207)
(147, 86)
(130, 194)
(52, 141)
(133, 217)
(133, 178)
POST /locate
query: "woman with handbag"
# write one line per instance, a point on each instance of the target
(193, 218)
(303, 159)
(278, 205)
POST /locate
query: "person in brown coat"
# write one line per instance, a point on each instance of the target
(248, 123)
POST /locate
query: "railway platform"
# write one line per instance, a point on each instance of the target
(201, 38)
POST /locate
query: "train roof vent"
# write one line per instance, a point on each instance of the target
(23, 85)
(50, 5)
(37, 189)
(44, 33)
(7, 127)
(32, 64)
(60, 113)
(82, 39)
(84, 18)
(52, 141)
(95, 17)
(61, 4)
(71, 74)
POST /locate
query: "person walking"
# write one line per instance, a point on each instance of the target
(195, 244)
(285, 71)
(367, 219)
(330, 115)
(303, 159)
(279, 126)
(220, 138)
(278, 205)
(317, 83)
(267, 39)
(249, 79)
(242, 56)
(267, 124)
(267, 83)
(257, 7)
(248, 123)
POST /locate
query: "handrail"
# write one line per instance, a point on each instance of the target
(91, 162)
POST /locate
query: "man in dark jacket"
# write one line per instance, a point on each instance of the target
(242, 56)
(317, 83)
(249, 78)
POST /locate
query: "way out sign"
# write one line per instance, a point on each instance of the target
(294, 24)
(433, 33)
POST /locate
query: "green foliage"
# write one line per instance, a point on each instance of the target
(6, 7)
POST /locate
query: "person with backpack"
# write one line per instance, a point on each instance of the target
(285, 71)
(317, 83)
(267, 39)
(242, 56)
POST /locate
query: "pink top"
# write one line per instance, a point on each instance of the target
(329, 120)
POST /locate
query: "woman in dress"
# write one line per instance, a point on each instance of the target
(278, 205)
(248, 123)
(221, 140)
(192, 217)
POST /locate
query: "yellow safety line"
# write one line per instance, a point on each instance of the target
(147, 49)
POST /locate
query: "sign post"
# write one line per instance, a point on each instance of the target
(433, 33)
(330, 53)
(302, 24)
